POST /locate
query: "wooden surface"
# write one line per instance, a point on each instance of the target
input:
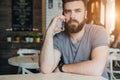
(52, 76)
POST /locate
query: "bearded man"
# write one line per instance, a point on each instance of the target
(80, 48)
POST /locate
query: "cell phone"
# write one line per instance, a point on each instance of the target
(63, 25)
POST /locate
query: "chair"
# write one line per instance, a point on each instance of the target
(26, 66)
(114, 57)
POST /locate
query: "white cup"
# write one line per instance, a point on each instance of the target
(27, 39)
(9, 39)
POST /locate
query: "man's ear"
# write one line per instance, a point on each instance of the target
(86, 14)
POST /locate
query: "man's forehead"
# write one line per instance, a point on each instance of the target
(74, 5)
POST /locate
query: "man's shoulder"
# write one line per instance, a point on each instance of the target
(94, 27)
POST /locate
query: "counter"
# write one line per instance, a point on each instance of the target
(52, 76)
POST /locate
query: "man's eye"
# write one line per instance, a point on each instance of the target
(67, 11)
(78, 11)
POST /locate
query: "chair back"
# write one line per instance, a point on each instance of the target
(23, 52)
(114, 50)
(112, 61)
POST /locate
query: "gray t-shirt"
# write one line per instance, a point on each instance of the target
(93, 37)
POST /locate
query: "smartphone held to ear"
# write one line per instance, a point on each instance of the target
(61, 24)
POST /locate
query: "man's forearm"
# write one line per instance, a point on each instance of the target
(47, 54)
(85, 68)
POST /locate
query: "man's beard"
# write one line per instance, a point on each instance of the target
(72, 28)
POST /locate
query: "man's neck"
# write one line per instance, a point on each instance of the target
(76, 37)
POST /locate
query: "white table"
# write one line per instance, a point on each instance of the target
(17, 60)
(29, 61)
(52, 76)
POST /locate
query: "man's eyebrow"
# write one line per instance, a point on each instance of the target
(74, 9)
(77, 9)
(67, 10)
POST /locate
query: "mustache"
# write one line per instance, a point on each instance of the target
(73, 20)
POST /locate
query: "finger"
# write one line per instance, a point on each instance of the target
(58, 29)
(62, 28)
(60, 17)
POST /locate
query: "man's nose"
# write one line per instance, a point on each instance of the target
(72, 16)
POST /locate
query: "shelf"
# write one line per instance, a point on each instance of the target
(17, 45)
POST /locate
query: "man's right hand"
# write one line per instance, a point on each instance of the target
(53, 27)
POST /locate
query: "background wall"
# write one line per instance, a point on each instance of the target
(6, 17)
(8, 50)
(53, 7)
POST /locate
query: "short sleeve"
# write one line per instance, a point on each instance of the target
(56, 42)
(100, 38)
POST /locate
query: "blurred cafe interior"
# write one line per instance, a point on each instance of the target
(23, 24)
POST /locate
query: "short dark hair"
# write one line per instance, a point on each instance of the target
(84, 1)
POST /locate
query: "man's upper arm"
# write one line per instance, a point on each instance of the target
(100, 45)
(100, 55)
(57, 56)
